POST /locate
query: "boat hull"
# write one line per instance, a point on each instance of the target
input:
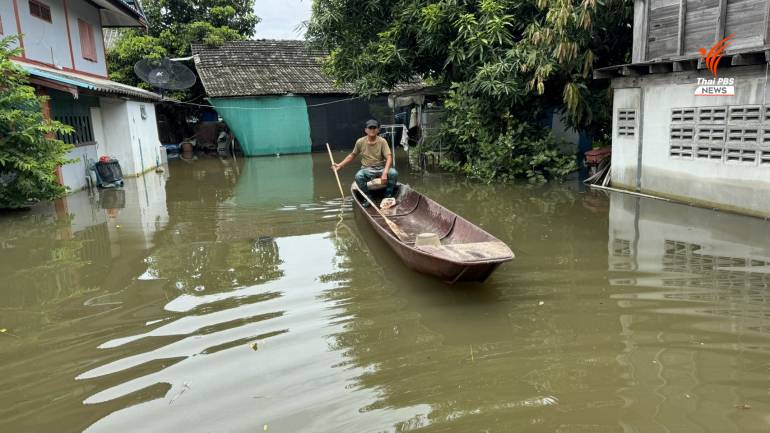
(420, 261)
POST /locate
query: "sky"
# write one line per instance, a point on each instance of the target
(280, 18)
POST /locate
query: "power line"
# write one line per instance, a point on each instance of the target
(261, 108)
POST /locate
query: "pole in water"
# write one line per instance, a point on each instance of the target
(331, 158)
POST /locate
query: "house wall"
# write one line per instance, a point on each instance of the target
(78, 9)
(340, 124)
(117, 133)
(74, 112)
(51, 43)
(43, 41)
(131, 139)
(625, 149)
(8, 19)
(145, 144)
(74, 174)
(729, 171)
(657, 26)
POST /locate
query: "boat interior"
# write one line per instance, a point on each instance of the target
(460, 240)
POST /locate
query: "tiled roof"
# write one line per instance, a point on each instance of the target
(263, 67)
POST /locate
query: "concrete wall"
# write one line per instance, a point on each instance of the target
(8, 19)
(145, 143)
(43, 41)
(129, 137)
(738, 186)
(79, 9)
(74, 174)
(625, 150)
(117, 133)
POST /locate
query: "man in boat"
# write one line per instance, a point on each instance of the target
(376, 161)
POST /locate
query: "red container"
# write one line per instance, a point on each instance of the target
(595, 156)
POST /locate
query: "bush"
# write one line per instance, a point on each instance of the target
(487, 142)
(29, 153)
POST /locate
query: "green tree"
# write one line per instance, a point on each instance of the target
(29, 153)
(173, 26)
(506, 62)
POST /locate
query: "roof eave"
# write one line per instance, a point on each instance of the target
(744, 57)
(117, 13)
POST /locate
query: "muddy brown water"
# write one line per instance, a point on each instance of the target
(238, 297)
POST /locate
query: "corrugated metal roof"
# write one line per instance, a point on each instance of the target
(97, 85)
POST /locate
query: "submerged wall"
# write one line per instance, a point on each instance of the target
(710, 151)
(267, 125)
(130, 132)
(339, 121)
(270, 125)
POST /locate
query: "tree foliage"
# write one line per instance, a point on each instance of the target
(29, 153)
(173, 26)
(505, 61)
(176, 24)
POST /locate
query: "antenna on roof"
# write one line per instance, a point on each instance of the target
(165, 74)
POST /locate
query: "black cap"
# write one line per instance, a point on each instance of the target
(372, 122)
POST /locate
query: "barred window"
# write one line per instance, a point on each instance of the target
(40, 10)
(83, 129)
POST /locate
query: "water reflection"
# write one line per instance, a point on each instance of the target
(66, 267)
(693, 287)
(243, 321)
(271, 182)
(218, 305)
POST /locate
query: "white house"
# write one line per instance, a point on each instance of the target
(686, 125)
(63, 52)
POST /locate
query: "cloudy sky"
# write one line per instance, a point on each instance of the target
(280, 18)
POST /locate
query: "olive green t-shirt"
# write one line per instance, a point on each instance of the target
(372, 154)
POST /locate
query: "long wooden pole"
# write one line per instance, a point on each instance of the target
(339, 184)
(393, 226)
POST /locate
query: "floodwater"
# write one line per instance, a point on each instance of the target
(239, 297)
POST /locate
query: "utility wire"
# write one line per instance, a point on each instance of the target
(261, 108)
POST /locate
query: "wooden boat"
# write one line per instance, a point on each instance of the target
(466, 253)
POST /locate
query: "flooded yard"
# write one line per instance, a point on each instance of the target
(242, 296)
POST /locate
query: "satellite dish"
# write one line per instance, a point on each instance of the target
(165, 74)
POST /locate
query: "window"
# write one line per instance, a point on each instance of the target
(83, 132)
(39, 10)
(626, 123)
(1, 25)
(87, 43)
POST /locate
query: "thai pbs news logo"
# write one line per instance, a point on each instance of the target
(717, 86)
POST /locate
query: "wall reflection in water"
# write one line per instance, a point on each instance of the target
(66, 269)
(243, 340)
(270, 182)
(696, 329)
